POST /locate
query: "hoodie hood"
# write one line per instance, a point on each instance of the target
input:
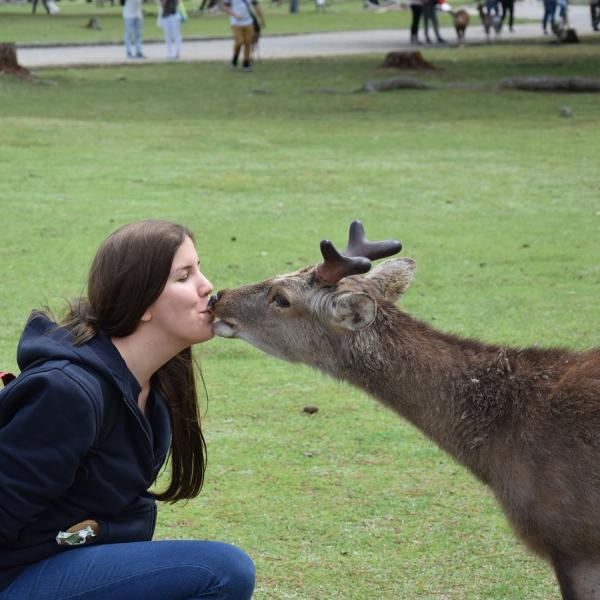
(44, 340)
(75, 446)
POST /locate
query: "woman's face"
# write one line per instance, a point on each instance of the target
(180, 310)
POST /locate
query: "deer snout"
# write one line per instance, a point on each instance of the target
(221, 327)
(214, 299)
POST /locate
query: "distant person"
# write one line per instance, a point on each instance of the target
(549, 12)
(416, 8)
(242, 26)
(595, 14)
(491, 6)
(430, 16)
(134, 24)
(508, 7)
(170, 23)
(207, 4)
(562, 12)
(35, 3)
(50, 6)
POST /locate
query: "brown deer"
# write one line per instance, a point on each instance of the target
(460, 19)
(526, 422)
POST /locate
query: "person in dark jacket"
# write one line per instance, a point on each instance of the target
(100, 402)
(416, 7)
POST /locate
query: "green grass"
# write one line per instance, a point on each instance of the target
(19, 25)
(495, 195)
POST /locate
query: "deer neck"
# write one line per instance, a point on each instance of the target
(460, 393)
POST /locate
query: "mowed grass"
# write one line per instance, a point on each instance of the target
(492, 192)
(69, 26)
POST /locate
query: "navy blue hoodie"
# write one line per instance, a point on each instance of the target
(74, 446)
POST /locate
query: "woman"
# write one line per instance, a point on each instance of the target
(133, 18)
(170, 22)
(430, 16)
(416, 7)
(549, 15)
(86, 427)
(245, 28)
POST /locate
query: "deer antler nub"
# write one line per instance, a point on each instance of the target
(356, 257)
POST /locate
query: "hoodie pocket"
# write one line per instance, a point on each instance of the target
(132, 526)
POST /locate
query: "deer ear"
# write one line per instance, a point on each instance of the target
(393, 277)
(354, 311)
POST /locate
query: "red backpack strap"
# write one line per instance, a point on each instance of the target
(6, 377)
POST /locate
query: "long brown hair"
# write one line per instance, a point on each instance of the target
(128, 274)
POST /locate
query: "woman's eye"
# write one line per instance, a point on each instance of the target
(184, 277)
(280, 300)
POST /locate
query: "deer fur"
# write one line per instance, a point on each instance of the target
(489, 22)
(461, 19)
(526, 422)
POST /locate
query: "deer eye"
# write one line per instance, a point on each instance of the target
(280, 300)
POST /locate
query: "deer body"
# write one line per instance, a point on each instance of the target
(526, 422)
(489, 22)
(461, 19)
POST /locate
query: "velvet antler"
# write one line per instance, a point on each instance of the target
(356, 257)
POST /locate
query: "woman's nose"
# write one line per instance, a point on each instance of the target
(205, 287)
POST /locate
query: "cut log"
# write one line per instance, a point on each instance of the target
(9, 63)
(407, 60)
(394, 83)
(551, 84)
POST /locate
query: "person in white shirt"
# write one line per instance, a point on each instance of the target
(134, 23)
(242, 25)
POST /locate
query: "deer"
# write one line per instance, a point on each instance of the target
(460, 19)
(524, 421)
(489, 22)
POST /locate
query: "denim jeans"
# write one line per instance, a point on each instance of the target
(173, 570)
(491, 6)
(172, 34)
(133, 33)
(549, 11)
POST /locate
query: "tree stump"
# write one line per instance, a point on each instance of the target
(9, 63)
(407, 60)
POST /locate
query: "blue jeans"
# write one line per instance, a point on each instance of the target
(164, 570)
(133, 33)
(491, 6)
(549, 11)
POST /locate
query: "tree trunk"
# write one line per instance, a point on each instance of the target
(551, 84)
(9, 63)
(407, 60)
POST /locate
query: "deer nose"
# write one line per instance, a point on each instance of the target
(214, 299)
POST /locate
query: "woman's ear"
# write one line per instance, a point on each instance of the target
(146, 317)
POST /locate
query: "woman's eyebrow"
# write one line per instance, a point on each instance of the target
(186, 267)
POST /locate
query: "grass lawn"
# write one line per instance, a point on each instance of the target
(493, 193)
(19, 25)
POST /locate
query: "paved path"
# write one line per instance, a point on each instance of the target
(292, 46)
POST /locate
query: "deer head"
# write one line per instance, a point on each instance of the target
(308, 315)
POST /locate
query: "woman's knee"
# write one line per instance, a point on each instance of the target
(232, 569)
(239, 578)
